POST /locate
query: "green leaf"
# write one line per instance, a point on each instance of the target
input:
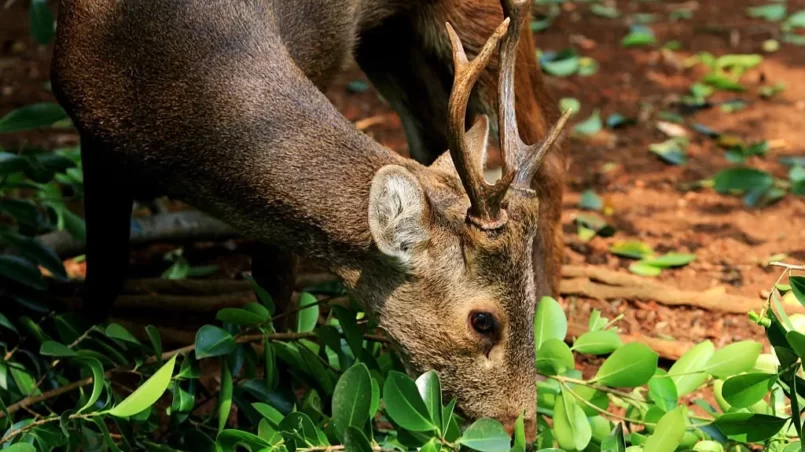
(709, 446)
(670, 260)
(631, 248)
(733, 359)
(693, 361)
(7, 323)
(180, 269)
(224, 396)
(273, 415)
(434, 445)
(639, 35)
(352, 332)
(798, 287)
(40, 21)
(22, 271)
(31, 117)
(797, 342)
(629, 366)
(238, 316)
(375, 405)
(12, 163)
(355, 440)
(565, 104)
(147, 394)
(796, 20)
(20, 447)
(519, 434)
(213, 341)
(590, 200)
(749, 427)
(270, 363)
(550, 322)
(721, 81)
(352, 399)
(96, 368)
(642, 269)
(668, 433)
(605, 11)
(742, 391)
(742, 179)
(562, 64)
(34, 251)
(597, 342)
(571, 427)
(771, 12)
(596, 322)
(24, 381)
(73, 224)
(230, 439)
(486, 435)
(663, 391)
(156, 342)
(447, 415)
(554, 357)
(183, 400)
(308, 315)
(262, 294)
(591, 125)
(404, 405)
(594, 396)
(304, 427)
(672, 151)
(430, 389)
(615, 441)
(119, 332)
(53, 348)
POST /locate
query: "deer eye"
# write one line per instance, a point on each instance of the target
(483, 322)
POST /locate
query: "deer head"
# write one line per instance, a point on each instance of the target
(461, 296)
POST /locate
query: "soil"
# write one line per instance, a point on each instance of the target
(649, 200)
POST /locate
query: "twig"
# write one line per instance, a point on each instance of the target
(31, 400)
(788, 266)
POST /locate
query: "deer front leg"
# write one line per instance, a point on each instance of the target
(108, 200)
(274, 270)
(408, 59)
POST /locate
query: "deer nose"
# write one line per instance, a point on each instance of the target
(530, 428)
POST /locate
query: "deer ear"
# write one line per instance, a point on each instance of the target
(398, 213)
(477, 142)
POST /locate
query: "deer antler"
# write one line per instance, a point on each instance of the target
(527, 158)
(486, 199)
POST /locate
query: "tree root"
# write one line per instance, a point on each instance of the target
(185, 226)
(603, 284)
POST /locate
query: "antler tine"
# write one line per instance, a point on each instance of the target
(535, 153)
(510, 143)
(520, 160)
(485, 199)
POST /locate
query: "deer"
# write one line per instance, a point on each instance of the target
(222, 104)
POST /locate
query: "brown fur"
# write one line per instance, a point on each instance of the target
(219, 103)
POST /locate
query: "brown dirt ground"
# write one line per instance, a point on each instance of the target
(648, 197)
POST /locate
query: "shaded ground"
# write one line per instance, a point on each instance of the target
(650, 200)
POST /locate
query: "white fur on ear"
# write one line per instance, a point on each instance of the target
(397, 213)
(478, 142)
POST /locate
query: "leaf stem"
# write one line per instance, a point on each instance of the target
(10, 435)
